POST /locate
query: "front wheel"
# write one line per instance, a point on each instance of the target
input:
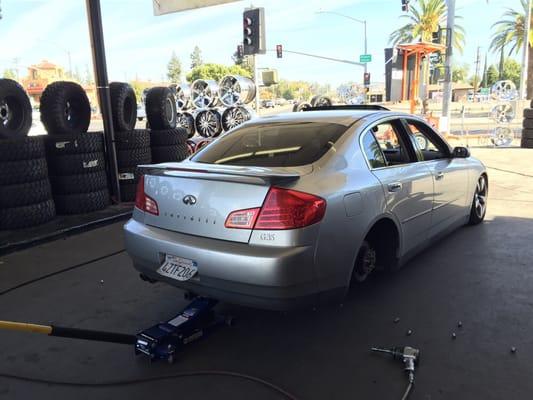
(479, 203)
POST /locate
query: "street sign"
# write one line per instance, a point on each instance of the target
(365, 58)
(484, 91)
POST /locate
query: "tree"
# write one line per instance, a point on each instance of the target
(460, 74)
(425, 17)
(196, 57)
(215, 72)
(242, 62)
(492, 75)
(138, 88)
(174, 69)
(509, 33)
(511, 71)
(10, 74)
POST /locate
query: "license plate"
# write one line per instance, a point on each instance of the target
(181, 269)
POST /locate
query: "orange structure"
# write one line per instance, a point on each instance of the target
(418, 50)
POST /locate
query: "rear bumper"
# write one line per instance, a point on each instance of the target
(277, 278)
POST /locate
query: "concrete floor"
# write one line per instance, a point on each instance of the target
(482, 276)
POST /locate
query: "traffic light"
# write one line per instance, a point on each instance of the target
(405, 5)
(436, 37)
(279, 50)
(240, 51)
(366, 78)
(254, 31)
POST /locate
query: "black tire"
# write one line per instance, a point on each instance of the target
(527, 123)
(301, 106)
(528, 113)
(82, 183)
(65, 109)
(59, 145)
(365, 263)
(136, 139)
(208, 123)
(314, 100)
(161, 108)
(185, 120)
(26, 216)
(526, 143)
(169, 153)
(15, 110)
(23, 194)
(133, 157)
(479, 202)
(168, 137)
(81, 203)
(23, 148)
(75, 164)
(527, 133)
(123, 106)
(23, 171)
(128, 191)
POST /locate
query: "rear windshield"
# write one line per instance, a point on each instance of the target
(273, 145)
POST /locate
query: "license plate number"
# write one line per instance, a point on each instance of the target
(181, 269)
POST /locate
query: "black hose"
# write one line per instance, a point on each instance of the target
(128, 382)
(41, 278)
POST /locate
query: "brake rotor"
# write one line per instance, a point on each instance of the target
(502, 136)
(204, 93)
(235, 89)
(502, 113)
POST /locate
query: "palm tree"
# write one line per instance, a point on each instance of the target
(425, 17)
(510, 31)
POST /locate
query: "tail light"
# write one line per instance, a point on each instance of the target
(144, 202)
(282, 209)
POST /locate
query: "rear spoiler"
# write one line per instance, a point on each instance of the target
(213, 172)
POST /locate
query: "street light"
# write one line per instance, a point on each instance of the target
(361, 21)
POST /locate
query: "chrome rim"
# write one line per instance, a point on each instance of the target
(422, 142)
(367, 266)
(208, 124)
(183, 96)
(234, 117)
(4, 113)
(204, 93)
(480, 198)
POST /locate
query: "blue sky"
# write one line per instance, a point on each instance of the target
(139, 44)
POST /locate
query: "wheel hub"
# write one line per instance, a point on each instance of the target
(4, 113)
(480, 199)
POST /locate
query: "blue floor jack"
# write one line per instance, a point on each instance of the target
(160, 342)
(163, 340)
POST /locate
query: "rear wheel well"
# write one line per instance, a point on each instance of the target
(385, 239)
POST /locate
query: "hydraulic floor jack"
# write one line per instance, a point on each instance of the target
(159, 342)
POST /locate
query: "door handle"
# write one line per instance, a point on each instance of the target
(394, 187)
(439, 176)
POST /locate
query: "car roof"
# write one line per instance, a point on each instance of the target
(342, 117)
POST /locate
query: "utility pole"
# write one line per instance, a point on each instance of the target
(525, 54)
(476, 73)
(447, 95)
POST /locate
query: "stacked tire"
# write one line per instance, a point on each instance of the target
(133, 145)
(168, 143)
(75, 157)
(527, 131)
(25, 194)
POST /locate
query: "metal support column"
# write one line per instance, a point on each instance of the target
(447, 95)
(257, 89)
(94, 17)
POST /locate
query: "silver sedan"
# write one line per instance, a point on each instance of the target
(292, 210)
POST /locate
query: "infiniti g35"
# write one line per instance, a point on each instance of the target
(291, 210)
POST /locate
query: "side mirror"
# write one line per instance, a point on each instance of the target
(460, 152)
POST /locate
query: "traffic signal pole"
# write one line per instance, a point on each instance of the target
(447, 95)
(256, 81)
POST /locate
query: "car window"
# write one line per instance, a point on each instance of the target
(391, 143)
(425, 143)
(372, 151)
(273, 144)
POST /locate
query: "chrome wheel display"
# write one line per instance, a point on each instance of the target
(480, 197)
(502, 113)
(504, 90)
(183, 96)
(208, 123)
(422, 141)
(234, 116)
(185, 120)
(204, 93)
(502, 136)
(235, 89)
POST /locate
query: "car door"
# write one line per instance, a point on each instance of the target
(407, 186)
(450, 175)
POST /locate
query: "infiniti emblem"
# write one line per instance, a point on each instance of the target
(190, 200)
